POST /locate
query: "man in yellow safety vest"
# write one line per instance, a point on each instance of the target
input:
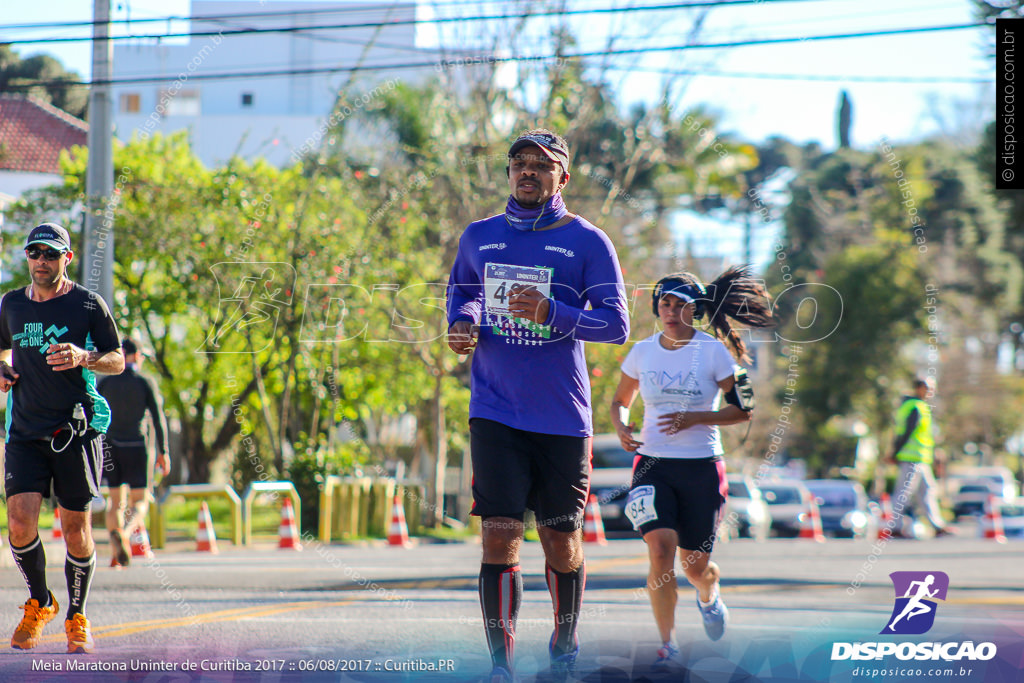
(913, 450)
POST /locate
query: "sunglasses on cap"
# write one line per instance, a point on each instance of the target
(35, 253)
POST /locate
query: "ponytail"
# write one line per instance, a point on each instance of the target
(734, 294)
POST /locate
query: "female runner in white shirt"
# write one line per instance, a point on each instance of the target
(679, 484)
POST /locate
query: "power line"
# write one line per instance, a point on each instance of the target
(490, 60)
(713, 73)
(969, 80)
(400, 22)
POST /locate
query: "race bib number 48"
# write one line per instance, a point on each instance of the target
(640, 506)
(499, 279)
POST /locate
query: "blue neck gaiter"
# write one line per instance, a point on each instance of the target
(535, 219)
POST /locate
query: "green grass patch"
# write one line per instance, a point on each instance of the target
(182, 517)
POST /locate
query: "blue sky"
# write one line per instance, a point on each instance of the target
(751, 108)
(754, 108)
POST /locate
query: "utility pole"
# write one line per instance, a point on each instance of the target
(748, 251)
(98, 233)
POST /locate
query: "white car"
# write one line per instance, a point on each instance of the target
(1012, 513)
(973, 495)
(999, 479)
(746, 513)
(788, 501)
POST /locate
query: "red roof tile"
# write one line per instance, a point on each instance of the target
(33, 133)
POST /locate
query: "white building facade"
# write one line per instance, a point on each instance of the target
(284, 110)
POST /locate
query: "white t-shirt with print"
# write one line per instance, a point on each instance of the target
(679, 379)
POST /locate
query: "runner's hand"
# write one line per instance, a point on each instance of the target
(8, 377)
(163, 463)
(526, 301)
(65, 357)
(462, 337)
(673, 423)
(625, 433)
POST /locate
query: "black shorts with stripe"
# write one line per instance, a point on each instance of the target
(514, 470)
(33, 466)
(689, 496)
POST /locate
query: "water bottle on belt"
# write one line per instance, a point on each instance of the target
(76, 427)
(78, 422)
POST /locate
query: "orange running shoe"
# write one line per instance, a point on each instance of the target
(79, 636)
(27, 635)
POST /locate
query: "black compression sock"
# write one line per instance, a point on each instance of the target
(501, 593)
(31, 560)
(79, 573)
(566, 590)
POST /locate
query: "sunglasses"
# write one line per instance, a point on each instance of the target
(35, 253)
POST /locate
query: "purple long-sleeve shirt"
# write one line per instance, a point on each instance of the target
(527, 375)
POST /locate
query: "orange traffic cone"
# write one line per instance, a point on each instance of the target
(206, 539)
(994, 530)
(139, 542)
(885, 524)
(593, 527)
(57, 533)
(398, 534)
(811, 524)
(288, 531)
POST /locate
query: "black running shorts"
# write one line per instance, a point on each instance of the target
(689, 496)
(514, 470)
(127, 463)
(31, 466)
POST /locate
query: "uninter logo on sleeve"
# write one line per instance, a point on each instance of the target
(560, 250)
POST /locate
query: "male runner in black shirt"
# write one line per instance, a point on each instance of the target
(54, 335)
(130, 396)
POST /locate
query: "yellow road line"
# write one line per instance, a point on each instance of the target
(999, 602)
(128, 628)
(616, 562)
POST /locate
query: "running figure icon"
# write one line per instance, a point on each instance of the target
(916, 606)
(917, 600)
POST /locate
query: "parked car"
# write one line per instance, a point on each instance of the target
(1012, 512)
(972, 496)
(1000, 480)
(746, 513)
(787, 501)
(610, 480)
(844, 509)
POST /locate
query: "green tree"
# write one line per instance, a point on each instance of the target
(854, 369)
(207, 268)
(44, 77)
(921, 216)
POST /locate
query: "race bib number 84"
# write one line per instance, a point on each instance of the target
(640, 506)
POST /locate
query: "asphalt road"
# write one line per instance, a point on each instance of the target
(379, 613)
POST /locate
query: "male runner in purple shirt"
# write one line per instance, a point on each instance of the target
(528, 287)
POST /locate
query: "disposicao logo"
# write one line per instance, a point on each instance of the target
(916, 596)
(913, 613)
